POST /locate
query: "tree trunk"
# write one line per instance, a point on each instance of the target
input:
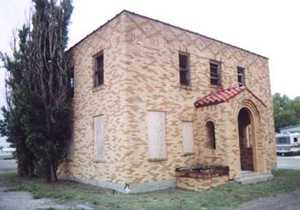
(52, 176)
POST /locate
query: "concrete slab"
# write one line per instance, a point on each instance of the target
(288, 162)
(253, 177)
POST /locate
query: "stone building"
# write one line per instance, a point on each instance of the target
(150, 97)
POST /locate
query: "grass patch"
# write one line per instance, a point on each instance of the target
(59, 209)
(229, 195)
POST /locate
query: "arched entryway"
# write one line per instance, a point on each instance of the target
(246, 139)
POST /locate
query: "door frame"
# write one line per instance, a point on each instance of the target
(251, 140)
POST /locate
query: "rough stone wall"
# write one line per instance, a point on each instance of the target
(153, 84)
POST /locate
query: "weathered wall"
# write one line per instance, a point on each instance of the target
(198, 184)
(225, 117)
(107, 100)
(141, 75)
(153, 84)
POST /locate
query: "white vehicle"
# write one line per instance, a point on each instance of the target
(6, 153)
(288, 143)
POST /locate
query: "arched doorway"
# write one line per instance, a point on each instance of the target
(246, 139)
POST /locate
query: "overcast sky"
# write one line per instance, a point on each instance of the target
(270, 28)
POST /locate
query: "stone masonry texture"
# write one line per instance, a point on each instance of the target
(141, 74)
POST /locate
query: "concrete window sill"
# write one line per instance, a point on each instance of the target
(157, 159)
(98, 88)
(188, 154)
(99, 161)
(184, 87)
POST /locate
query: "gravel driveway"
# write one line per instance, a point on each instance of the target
(288, 162)
(286, 201)
(7, 166)
(11, 200)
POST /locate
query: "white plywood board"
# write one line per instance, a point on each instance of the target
(99, 137)
(187, 137)
(156, 135)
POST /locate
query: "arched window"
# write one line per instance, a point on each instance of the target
(210, 127)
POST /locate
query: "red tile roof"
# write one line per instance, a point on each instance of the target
(220, 96)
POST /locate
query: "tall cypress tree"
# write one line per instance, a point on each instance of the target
(51, 94)
(39, 90)
(18, 100)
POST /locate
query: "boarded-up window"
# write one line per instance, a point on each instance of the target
(99, 137)
(156, 135)
(187, 137)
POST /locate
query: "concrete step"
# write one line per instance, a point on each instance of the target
(248, 177)
(247, 173)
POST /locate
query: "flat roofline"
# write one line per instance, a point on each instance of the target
(167, 24)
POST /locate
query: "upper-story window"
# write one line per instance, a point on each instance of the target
(241, 76)
(99, 69)
(184, 69)
(215, 73)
